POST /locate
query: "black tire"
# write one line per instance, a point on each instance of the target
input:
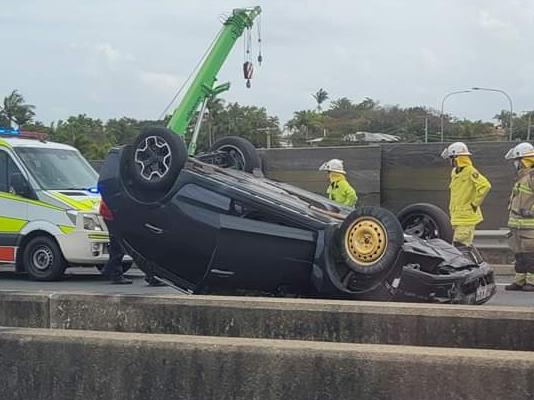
(383, 240)
(43, 260)
(426, 221)
(156, 159)
(243, 153)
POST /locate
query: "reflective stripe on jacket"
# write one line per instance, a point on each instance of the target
(468, 189)
(521, 204)
(342, 192)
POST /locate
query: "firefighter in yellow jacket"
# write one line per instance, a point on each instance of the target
(339, 189)
(468, 189)
(521, 217)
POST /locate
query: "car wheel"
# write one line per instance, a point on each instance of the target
(426, 221)
(370, 239)
(242, 154)
(155, 160)
(43, 260)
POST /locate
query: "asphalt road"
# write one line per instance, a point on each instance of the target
(87, 280)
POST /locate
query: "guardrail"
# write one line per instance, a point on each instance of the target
(492, 239)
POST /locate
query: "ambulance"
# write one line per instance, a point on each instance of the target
(49, 201)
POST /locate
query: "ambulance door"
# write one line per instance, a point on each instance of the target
(13, 206)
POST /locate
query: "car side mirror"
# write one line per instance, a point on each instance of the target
(19, 184)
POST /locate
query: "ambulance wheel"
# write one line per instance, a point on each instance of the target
(43, 260)
(156, 159)
(241, 154)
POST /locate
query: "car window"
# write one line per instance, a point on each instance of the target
(8, 169)
(3, 171)
(205, 196)
(57, 169)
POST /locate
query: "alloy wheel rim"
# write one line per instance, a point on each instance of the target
(153, 158)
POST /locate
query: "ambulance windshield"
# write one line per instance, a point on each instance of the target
(58, 169)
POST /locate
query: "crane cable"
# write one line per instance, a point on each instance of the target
(260, 55)
(164, 112)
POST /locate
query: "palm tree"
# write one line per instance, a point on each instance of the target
(320, 97)
(15, 110)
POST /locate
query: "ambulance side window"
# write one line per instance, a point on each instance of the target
(4, 187)
(11, 179)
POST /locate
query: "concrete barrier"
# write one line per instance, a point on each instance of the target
(81, 365)
(504, 328)
(24, 310)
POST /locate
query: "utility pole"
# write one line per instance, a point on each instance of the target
(426, 128)
(529, 125)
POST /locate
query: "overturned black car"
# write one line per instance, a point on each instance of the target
(207, 229)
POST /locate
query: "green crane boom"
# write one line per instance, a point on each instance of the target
(202, 87)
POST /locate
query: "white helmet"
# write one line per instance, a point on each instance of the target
(334, 165)
(456, 149)
(524, 149)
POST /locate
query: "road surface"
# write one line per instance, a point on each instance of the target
(90, 281)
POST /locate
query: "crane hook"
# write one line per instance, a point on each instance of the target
(248, 70)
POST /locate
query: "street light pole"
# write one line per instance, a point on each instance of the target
(426, 128)
(529, 125)
(509, 100)
(443, 105)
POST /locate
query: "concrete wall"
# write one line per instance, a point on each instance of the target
(354, 350)
(300, 168)
(80, 365)
(296, 319)
(416, 173)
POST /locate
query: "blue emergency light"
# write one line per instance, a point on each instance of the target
(93, 190)
(9, 131)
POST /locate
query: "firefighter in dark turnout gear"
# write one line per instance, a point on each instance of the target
(521, 217)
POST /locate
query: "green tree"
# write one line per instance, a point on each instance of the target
(320, 97)
(122, 131)
(233, 119)
(84, 133)
(16, 110)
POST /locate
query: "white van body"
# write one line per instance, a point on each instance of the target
(48, 192)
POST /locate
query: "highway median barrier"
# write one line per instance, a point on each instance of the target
(72, 365)
(484, 327)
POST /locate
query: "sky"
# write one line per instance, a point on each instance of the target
(114, 58)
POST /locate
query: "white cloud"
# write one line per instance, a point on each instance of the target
(496, 25)
(129, 56)
(159, 81)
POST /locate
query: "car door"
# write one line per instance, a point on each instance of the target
(13, 206)
(258, 250)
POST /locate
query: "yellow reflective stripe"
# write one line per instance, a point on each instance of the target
(3, 143)
(9, 196)
(521, 222)
(11, 225)
(525, 189)
(66, 229)
(76, 204)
